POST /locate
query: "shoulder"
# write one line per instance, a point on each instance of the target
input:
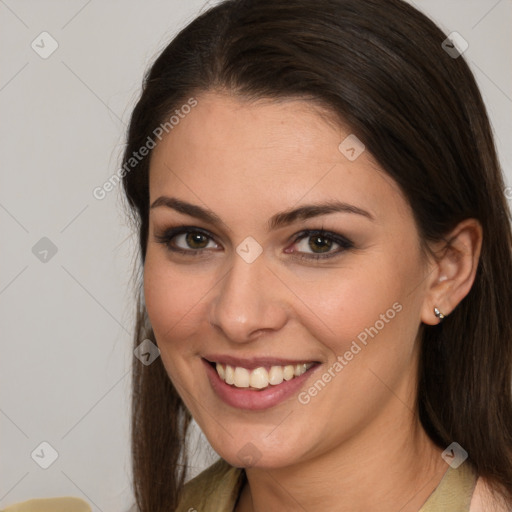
(220, 483)
(485, 501)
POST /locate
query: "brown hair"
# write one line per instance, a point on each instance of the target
(379, 65)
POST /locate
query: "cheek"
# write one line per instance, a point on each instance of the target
(346, 302)
(379, 327)
(369, 318)
(173, 301)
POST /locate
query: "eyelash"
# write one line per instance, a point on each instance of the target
(167, 236)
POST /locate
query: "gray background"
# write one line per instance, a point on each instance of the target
(66, 322)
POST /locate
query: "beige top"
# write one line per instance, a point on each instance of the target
(63, 504)
(217, 489)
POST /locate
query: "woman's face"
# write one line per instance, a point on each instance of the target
(254, 285)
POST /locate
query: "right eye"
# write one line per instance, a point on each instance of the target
(187, 240)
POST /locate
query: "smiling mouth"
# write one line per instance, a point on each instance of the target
(262, 377)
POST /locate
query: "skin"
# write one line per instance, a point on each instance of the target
(246, 161)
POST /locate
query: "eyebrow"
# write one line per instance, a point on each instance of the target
(280, 219)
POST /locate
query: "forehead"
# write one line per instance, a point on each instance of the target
(231, 151)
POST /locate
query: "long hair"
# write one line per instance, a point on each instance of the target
(380, 67)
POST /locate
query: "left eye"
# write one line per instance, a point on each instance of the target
(320, 243)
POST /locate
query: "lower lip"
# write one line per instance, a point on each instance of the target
(255, 400)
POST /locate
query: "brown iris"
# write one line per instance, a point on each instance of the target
(316, 242)
(194, 238)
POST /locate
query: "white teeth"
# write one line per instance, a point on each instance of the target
(288, 372)
(275, 375)
(299, 369)
(220, 371)
(260, 378)
(230, 375)
(241, 377)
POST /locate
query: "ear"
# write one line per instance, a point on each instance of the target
(453, 270)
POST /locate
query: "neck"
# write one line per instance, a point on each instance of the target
(378, 469)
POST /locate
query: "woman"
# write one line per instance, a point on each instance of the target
(326, 254)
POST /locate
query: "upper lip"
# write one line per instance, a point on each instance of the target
(254, 362)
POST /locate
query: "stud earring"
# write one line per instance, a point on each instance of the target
(438, 313)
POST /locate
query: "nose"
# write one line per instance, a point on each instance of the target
(249, 299)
